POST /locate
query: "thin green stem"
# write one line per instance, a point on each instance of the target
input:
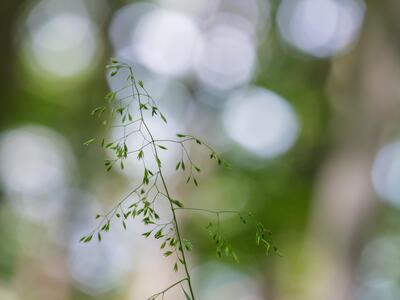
(166, 290)
(152, 140)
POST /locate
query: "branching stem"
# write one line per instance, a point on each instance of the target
(152, 297)
(154, 184)
(152, 140)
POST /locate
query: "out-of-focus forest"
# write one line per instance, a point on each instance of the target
(301, 97)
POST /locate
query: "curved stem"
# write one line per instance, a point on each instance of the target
(152, 140)
(166, 290)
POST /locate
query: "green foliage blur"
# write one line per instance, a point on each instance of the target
(326, 197)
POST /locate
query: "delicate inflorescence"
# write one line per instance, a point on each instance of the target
(133, 111)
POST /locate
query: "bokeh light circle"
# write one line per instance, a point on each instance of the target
(386, 173)
(261, 121)
(165, 42)
(35, 162)
(321, 28)
(122, 27)
(62, 39)
(227, 58)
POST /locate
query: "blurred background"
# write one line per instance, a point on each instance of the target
(300, 96)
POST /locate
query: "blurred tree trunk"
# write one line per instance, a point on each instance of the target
(9, 10)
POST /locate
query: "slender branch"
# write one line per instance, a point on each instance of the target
(189, 138)
(154, 296)
(154, 183)
(181, 246)
(107, 216)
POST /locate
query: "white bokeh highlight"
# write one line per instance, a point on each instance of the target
(166, 41)
(261, 122)
(35, 163)
(253, 16)
(320, 28)
(227, 58)
(62, 39)
(386, 173)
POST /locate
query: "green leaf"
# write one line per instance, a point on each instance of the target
(163, 118)
(110, 96)
(177, 203)
(188, 245)
(99, 110)
(235, 257)
(167, 253)
(242, 219)
(140, 155)
(158, 234)
(180, 135)
(120, 110)
(88, 142)
(146, 234)
(153, 111)
(88, 239)
(146, 176)
(176, 267)
(158, 162)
